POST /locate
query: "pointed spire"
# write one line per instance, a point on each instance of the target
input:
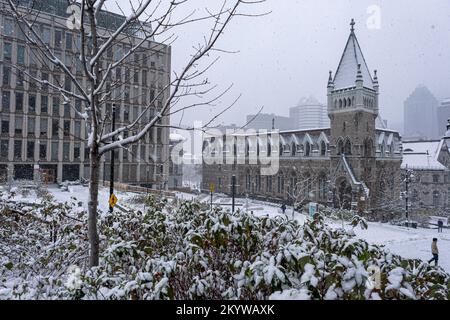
(348, 65)
(352, 25)
(375, 80)
(330, 80)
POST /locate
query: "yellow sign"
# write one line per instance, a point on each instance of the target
(112, 200)
(212, 187)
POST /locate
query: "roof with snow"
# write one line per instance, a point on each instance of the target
(422, 155)
(175, 137)
(348, 66)
(309, 101)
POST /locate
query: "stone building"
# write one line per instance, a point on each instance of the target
(429, 164)
(351, 162)
(41, 134)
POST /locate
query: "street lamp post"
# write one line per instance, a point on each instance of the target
(233, 192)
(111, 177)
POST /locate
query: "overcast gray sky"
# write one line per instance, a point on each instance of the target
(287, 54)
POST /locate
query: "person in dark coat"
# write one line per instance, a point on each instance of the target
(434, 252)
(440, 225)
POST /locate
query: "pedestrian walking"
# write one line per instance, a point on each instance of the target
(434, 252)
(440, 225)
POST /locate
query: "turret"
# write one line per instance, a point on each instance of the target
(359, 78)
(376, 85)
(330, 82)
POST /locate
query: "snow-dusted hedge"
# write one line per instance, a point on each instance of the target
(184, 251)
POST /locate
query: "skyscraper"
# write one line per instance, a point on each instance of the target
(420, 115)
(309, 113)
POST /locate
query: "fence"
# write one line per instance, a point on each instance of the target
(130, 188)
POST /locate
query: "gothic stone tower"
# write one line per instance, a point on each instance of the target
(352, 108)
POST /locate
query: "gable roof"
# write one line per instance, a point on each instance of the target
(422, 155)
(348, 66)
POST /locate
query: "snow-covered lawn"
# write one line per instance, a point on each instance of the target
(409, 243)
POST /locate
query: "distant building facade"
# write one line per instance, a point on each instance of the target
(41, 134)
(269, 121)
(352, 159)
(420, 115)
(309, 114)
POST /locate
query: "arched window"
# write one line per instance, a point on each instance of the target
(323, 148)
(383, 149)
(436, 199)
(368, 148)
(293, 149)
(280, 184)
(247, 147)
(348, 147)
(248, 180)
(307, 149)
(349, 102)
(340, 147)
(269, 183)
(340, 103)
(345, 102)
(258, 183)
(269, 149)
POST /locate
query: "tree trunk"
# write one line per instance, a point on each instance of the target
(92, 208)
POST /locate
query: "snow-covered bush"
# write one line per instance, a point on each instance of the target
(185, 251)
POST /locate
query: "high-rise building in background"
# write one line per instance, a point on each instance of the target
(309, 113)
(420, 115)
(443, 115)
(268, 122)
(40, 133)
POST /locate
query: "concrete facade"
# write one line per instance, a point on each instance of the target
(39, 132)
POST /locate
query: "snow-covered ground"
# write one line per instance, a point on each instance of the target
(409, 243)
